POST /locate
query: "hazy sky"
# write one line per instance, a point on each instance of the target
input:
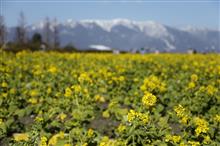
(178, 13)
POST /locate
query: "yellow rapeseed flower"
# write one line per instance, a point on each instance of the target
(207, 139)
(180, 110)
(68, 92)
(76, 88)
(211, 89)
(62, 116)
(32, 100)
(34, 93)
(4, 95)
(85, 144)
(43, 141)
(99, 98)
(61, 134)
(38, 119)
(104, 141)
(173, 138)
(135, 79)
(53, 140)
(181, 113)
(194, 78)
(121, 78)
(217, 118)
(194, 143)
(191, 85)
(153, 83)
(21, 137)
(52, 69)
(131, 115)
(149, 99)
(49, 90)
(202, 126)
(121, 128)
(12, 91)
(4, 84)
(184, 119)
(102, 144)
(176, 138)
(106, 114)
(90, 132)
(143, 117)
(84, 77)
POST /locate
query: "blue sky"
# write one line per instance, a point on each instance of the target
(203, 13)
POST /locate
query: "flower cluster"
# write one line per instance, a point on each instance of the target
(153, 83)
(21, 137)
(181, 113)
(211, 89)
(142, 117)
(99, 98)
(43, 141)
(192, 84)
(201, 126)
(149, 99)
(68, 92)
(173, 138)
(54, 139)
(217, 118)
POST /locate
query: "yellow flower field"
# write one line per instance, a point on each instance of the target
(89, 99)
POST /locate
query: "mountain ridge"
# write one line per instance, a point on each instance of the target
(125, 35)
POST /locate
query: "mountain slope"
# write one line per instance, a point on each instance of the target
(125, 35)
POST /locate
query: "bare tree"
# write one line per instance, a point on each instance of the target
(55, 34)
(47, 31)
(3, 30)
(21, 29)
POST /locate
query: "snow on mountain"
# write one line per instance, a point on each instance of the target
(106, 25)
(126, 34)
(151, 28)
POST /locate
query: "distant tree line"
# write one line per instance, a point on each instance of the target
(47, 41)
(3, 31)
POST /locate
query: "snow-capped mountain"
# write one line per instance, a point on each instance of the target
(126, 35)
